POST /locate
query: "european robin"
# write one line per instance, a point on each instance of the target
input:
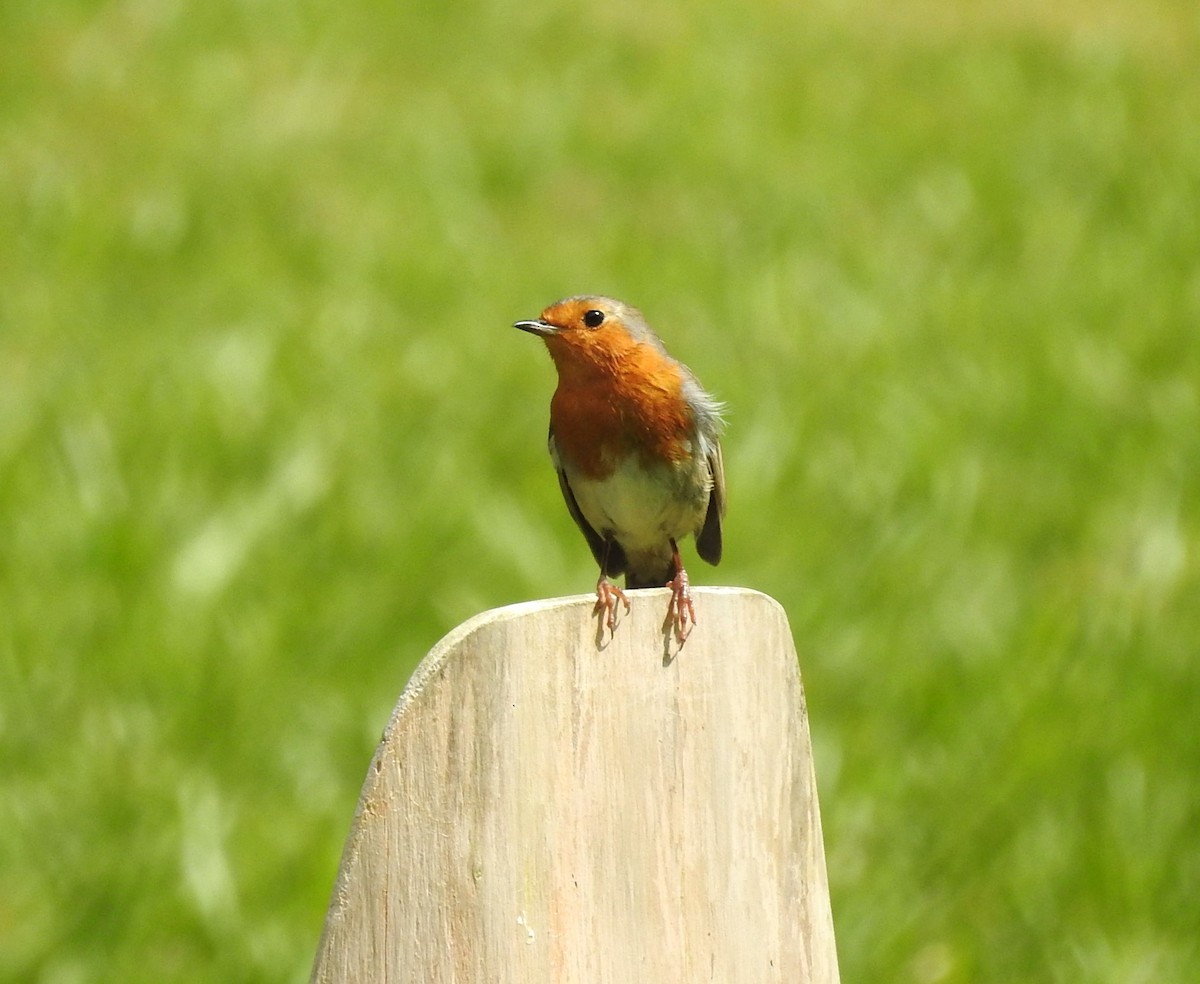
(636, 444)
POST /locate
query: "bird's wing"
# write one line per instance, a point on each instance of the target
(708, 540)
(608, 553)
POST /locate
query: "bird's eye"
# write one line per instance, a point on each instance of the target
(593, 318)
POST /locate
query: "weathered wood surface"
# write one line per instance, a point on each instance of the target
(544, 810)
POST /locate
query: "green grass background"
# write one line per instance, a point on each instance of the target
(266, 434)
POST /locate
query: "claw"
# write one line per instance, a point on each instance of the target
(607, 596)
(680, 611)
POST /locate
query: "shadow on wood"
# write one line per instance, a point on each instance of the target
(543, 810)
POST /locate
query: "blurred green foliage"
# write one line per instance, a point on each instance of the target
(266, 435)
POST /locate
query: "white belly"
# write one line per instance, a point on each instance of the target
(644, 509)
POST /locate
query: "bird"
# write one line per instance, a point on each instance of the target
(636, 442)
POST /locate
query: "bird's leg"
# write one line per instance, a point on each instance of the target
(680, 611)
(607, 595)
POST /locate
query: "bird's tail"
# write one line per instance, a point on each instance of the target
(653, 577)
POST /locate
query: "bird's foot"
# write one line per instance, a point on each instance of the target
(607, 597)
(681, 613)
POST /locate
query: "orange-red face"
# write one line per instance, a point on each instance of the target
(581, 331)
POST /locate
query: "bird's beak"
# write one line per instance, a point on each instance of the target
(539, 327)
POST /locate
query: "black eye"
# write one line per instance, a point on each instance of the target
(593, 318)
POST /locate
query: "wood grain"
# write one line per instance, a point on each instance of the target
(544, 809)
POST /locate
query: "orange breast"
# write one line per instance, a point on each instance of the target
(601, 418)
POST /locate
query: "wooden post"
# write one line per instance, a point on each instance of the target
(546, 810)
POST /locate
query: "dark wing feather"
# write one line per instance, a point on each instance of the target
(708, 540)
(608, 553)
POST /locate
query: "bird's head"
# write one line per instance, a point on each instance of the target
(589, 331)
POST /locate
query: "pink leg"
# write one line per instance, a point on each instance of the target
(680, 611)
(607, 596)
